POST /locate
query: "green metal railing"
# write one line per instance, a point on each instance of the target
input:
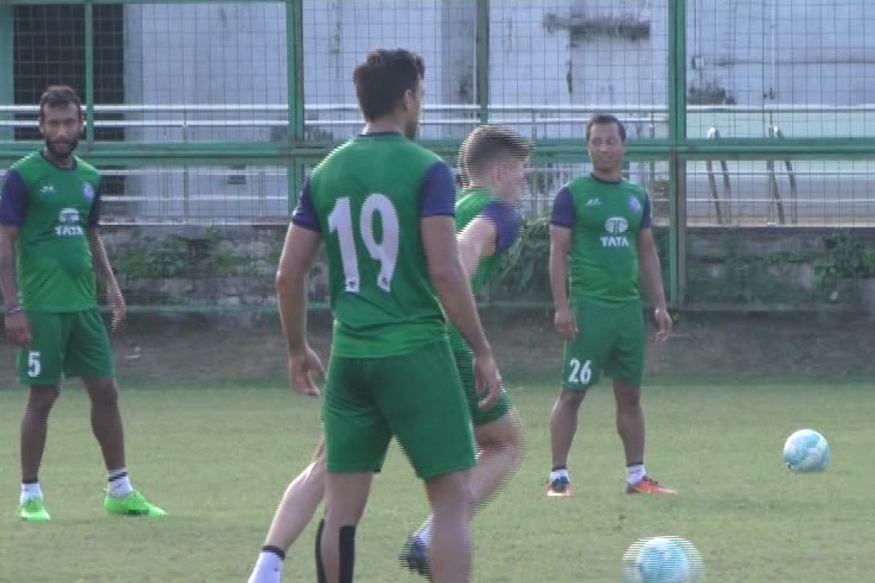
(296, 152)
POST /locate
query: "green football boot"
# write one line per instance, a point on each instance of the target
(134, 504)
(34, 510)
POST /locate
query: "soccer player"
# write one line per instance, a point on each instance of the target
(494, 161)
(384, 207)
(601, 225)
(50, 249)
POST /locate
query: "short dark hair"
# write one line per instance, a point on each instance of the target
(488, 142)
(59, 96)
(604, 119)
(384, 77)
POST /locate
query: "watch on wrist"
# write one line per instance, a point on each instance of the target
(11, 311)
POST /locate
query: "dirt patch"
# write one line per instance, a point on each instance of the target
(727, 346)
(231, 349)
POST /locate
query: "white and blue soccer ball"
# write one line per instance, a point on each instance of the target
(806, 451)
(663, 559)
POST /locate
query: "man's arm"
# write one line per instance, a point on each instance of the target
(476, 242)
(17, 326)
(103, 271)
(303, 240)
(298, 255)
(560, 245)
(13, 211)
(100, 260)
(491, 233)
(102, 266)
(650, 274)
(650, 269)
(451, 281)
(438, 231)
(8, 284)
(561, 225)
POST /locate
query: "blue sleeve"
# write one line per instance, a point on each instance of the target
(508, 224)
(646, 219)
(438, 194)
(563, 209)
(305, 214)
(13, 205)
(96, 206)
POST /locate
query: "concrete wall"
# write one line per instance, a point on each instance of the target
(234, 267)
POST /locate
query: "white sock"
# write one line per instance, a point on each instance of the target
(556, 474)
(424, 532)
(634, 473)
(119, 483)
(29, 491)
(268, 568)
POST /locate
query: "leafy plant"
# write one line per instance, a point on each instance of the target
(168, 258)
(526, 266)
(846, 258)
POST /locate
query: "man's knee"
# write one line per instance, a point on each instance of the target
(571, 399)
(41, 400)
(504, 435)
(628, 396)
(103, 392)
(451, 492)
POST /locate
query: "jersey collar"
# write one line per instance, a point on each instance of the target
(42, 154)
(380, 135)
(486, 191)
(597, 179)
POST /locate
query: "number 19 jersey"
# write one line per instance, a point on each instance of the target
(367, 199)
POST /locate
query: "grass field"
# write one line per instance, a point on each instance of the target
(218, 460)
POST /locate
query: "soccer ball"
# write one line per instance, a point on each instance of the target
(663, 559)
(806, 451)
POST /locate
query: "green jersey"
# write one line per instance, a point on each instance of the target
(604, 219)
(367, 199)
(53, 208)
(508, 222)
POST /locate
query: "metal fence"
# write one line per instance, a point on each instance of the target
(741, 114)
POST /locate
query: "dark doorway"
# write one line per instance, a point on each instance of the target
(49, 48)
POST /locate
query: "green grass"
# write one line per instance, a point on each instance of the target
(218, 461)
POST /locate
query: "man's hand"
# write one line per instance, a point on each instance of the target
(18, 330)
(488, 380)
(565, 323)
(302, 366)
(663, 324)
(118, 306)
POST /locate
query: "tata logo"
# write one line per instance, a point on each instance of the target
(47, 190)
(616, 227)
(68, 224)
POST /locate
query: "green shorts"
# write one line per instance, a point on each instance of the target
(416, 397)
(72, 344)
(610, 341)
(479, 417)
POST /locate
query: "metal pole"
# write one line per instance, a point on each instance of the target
(89, 75)
(677, 132)
(7, 95)
(295, 86)
(483, 59)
